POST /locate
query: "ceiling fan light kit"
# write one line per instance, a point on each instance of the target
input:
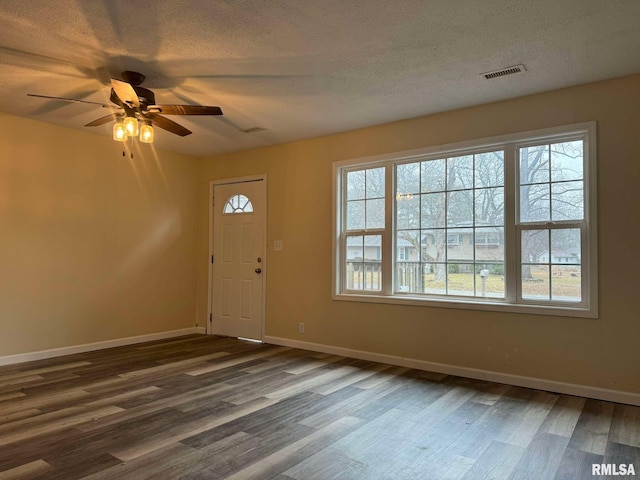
(136, 111)
(130, 127)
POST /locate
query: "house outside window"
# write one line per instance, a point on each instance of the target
(500, 223)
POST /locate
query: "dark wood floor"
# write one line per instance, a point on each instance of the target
(203, 407)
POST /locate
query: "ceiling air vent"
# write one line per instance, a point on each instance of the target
(504, 71)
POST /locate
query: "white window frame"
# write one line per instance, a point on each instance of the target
(513, 302)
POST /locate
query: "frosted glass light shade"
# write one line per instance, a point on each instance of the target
(146, 133)
(119, 132)
(131, 126)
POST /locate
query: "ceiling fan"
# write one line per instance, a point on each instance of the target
(134, 103)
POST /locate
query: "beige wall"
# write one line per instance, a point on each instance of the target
(93, 245)
(601, 352)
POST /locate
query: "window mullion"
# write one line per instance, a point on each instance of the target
(388, 236)
(511, 233)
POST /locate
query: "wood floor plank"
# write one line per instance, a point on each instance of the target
(236, 361)
(577, 464)
(209, 407)
(592, 430)
(497, 461)
(289, 456)
(542, 457)
(564, 415)
(27, 471)
(11, 395)
(43, 370)
(186, 431)
(61, 420)
(168, 459)
(523, 427)
(618, 454)
(625, 426)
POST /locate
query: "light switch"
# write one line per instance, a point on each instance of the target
(277, 246)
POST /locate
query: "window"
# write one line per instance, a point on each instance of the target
(551, 191)
(364, 222)
(238, 204)
(502, 223)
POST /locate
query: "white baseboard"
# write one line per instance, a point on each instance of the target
(609, 395)
(88, 347)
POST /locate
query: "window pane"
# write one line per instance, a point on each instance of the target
(355, 247)
(355, 185)
(372, 248)
(567, 161)
(566, 283)
(372, 278)
(355, 215)
(408, 211)
(363, 267)
(535, 282)
(433, 210)
(375, 183)
(433, 176)
(460, 279)
(535, 246)
(567, 201)
(565, 246)
(489, 169)
(490, 206)
(408, 178)
(238, 204)
(490, 280)
(460, 172)
(534, 164)
(410, 277)
(375, 213)
(435, 277)
(408, 242)
(434, 245)
(489, 244)
(534, 203)
(460, 208)
(460, 244)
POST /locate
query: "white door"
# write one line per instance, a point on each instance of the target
(239, 221)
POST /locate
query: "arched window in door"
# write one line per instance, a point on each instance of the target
(238, 204)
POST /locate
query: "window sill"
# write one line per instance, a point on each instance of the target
(471, 304)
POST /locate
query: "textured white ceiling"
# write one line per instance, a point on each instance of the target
(303, 69)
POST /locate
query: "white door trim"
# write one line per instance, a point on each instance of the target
(212, 185)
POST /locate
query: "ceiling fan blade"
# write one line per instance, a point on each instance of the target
(125, 92)
(185, 110)
(168, 125)
(102, 120)
(75, 100)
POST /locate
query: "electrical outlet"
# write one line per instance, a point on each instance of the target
(301, 327)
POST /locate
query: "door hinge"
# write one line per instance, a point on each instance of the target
(211, 258)
(210, 317)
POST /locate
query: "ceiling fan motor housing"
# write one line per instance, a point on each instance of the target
(145, 96)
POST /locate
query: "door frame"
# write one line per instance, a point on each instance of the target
(212, 185)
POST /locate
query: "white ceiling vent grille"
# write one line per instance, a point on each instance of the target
(504, 71)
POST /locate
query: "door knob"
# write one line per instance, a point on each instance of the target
(258, 270)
